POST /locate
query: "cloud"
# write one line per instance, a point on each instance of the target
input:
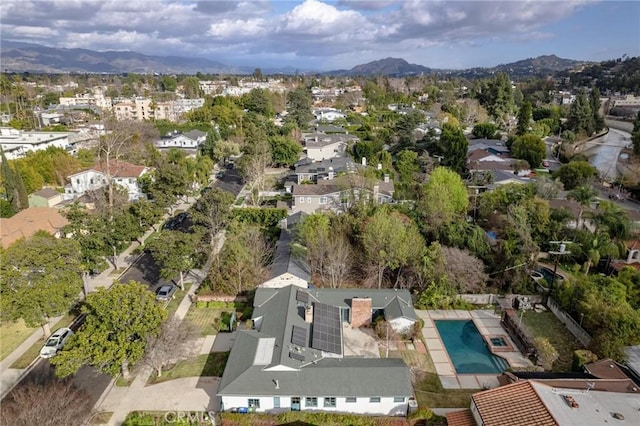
(367, 4)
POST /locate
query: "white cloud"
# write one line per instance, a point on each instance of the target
(237, 29)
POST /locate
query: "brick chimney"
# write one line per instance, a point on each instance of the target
(361, 312)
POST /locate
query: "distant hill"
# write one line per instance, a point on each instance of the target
(390, 66)
(27, 57)
(542, 65)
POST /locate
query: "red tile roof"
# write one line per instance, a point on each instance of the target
(120, 169)
(461, 418)
(515, 404)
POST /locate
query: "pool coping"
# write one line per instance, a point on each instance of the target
(488, 325)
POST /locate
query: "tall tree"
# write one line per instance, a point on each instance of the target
(580, 118)
(497, 96)
(21, 192)
(576, 173)
(444, 198)
(212, 213)
(524, 119)
(39, 279)
(454, 146)
(583, 195)
(529, 148)
(390, 240)
(407, 165)
(45, 401)
(175, 253)
(635, 135)
(8, 182)
(114, 335)
(174, 342)
(299, 107)
(284, 151)
(594, 102)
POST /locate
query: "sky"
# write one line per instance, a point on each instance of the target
(333, 34)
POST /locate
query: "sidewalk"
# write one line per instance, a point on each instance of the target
(10, 376)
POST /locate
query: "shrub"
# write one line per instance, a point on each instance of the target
(582, 357)
(546, 354)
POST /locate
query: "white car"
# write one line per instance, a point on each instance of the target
(55, 342)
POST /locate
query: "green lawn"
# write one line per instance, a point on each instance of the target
(429, 390)
(207, 365)
(34, 351)
(545, 324)
(206, 320)
(172, 307)
(12, 334)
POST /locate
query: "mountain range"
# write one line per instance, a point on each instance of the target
(28, 57)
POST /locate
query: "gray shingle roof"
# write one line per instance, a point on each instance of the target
(195, 134)
(47, 193)
(318, 140)
(276, 311)
(284, 261)
(339, 164)
(344, 183)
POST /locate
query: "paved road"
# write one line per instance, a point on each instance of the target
(604, 157)
(231, 182)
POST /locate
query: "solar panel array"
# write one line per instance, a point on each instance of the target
(299, 336)
(327, 327)
(296, 356)
(302, 296)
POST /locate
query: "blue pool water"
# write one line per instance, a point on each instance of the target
(467, 348)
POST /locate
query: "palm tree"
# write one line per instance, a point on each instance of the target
(583, 195)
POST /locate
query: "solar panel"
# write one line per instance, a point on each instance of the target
(327, 328)
(297, 356)
(302, 296)
(299, 336)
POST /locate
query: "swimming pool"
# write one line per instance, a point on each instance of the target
(467, 349)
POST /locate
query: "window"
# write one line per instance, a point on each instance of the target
(351, 400)
(301, 200)
(329, 401)
(91, 181)
(374, 399)
(312, 401)
(308, 199)
(398, 399)
(323, 200)
(276, 402)
(253, 402)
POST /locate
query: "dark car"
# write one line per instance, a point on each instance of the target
(230, 166)
(174, 223)
(165, 292)
(616, 197)
(219, 175)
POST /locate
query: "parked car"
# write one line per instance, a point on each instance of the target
(165, 292)
(174, 223)
(55, 342)
(219, 175)
(545, 164)
(616, 196)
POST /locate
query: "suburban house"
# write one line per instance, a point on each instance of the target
(27, 222)
(633, 256)
(307, 171)
(321, 146)
(574, 208)
(190, 140)
(531, 403)
(328, 114)
(46, 197)
(122, 173)
(295, 357)
(16, 143)
(339, 193)
(287, 269)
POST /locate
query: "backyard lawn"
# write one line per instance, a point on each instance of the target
(545, 324)
(429, 391)
(207, 365)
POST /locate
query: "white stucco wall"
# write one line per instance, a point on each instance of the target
(386, 406)
(328, 151)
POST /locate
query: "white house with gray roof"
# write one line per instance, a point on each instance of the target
(294, 358)
(321, 146)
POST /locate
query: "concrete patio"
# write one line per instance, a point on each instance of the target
(488, 324)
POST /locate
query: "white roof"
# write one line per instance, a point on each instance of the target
(593, 407)
(264, 351)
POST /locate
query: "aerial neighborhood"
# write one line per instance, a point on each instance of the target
(321, 249)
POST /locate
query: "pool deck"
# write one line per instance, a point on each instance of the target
(488, 324)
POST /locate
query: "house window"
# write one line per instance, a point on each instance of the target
(308, 199)
(78, 181)
(398, 399)
(276, 402)
(312, 401)
(323, 200)
(374, 399)
(253, 402)
(329, 401)
(351, 400)
(301, 200)
(91, 181)
(131, 180)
